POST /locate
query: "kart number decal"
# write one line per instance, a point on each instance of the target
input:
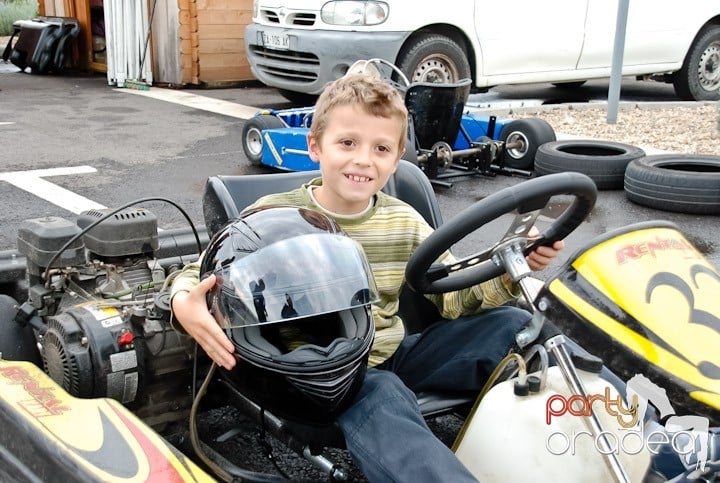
(696, 315)
(659, 278)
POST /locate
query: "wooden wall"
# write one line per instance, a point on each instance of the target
(51, 8)
(193, 41)
(221, 40)
(189, 41)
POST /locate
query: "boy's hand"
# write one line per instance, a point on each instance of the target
(190, 310)
(541, 257)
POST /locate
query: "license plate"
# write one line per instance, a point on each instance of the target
(276, 41)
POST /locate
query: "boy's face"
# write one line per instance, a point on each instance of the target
(357, 154)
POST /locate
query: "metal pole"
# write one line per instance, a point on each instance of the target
(617, 61)
(557, 346)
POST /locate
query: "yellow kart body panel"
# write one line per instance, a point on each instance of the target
(646, 300)
(54, 435)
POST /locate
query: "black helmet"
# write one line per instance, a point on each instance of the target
(293, 293)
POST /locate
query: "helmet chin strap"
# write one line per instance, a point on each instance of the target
(310, 352)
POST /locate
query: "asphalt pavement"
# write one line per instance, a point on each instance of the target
(134, 144)
(74, 142)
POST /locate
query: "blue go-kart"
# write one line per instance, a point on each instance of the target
(444, 140)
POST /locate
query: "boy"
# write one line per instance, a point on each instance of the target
(358, 137)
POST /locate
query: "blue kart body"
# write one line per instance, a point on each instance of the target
(286, 148)
(443, 140)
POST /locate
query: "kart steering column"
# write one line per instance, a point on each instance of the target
(557, 346)
(509, 254)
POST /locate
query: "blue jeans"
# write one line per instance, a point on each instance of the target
(384, 430)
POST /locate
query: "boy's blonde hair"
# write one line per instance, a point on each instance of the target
(371, 93)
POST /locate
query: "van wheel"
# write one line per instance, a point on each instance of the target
(252, 139)
(683, 183)
(699, 78)
(531, 133)
(603, 161)
(434, 58)
(17, 343)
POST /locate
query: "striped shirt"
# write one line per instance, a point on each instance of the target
(389, 233)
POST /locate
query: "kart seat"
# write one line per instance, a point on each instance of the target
(225, 197)
(436, 111)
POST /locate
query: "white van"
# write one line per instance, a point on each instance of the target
(298, 46)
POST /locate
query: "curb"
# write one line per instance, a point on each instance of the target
(579, 106)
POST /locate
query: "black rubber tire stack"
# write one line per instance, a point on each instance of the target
(603, 161)
(682, 183)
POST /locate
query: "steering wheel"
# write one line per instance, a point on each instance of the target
(528, 198)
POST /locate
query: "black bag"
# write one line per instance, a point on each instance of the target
(42, 43)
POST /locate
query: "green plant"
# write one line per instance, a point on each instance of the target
(12, 10)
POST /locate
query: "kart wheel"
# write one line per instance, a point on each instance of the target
(603, 161)
(683, 183)
(301, 99)
(252, 135)
(17, 343)
(531, 133)
(434, 58)
(699, 77)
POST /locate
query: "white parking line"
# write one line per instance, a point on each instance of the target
(6, 123)
(218, 106)
(33, 182)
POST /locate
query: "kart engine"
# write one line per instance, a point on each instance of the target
(102, 323)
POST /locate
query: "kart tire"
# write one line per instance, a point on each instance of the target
(699, 79)
(533, 132)
(300, 99)
(252, 139)
(682, 183)
(434, 58)
(17, 343)
(603, 161)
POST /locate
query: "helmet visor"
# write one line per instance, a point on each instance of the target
(297, 277)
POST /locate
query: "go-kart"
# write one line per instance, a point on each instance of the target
(444, 140)
(91, 366)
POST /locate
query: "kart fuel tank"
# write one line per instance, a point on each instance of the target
(544, 435)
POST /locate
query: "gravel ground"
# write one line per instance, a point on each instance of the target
(692, 128)
(243, 445)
